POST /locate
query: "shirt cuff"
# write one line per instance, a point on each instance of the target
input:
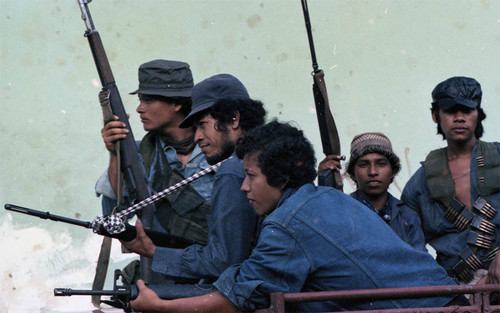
(103, 186)
(167, 261)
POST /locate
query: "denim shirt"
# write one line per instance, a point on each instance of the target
(441, 234)
(195, 164)
(232, 229)
(403, 220)
(321, 239)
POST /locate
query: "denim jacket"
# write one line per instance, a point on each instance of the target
(321, 239)
(232, 230)
(403, 220)
(441, 234)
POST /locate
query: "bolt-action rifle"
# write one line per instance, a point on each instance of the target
(160, 239)
(124, 292)
(328, 131)
(130, 165)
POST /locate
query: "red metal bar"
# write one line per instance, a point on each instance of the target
(480, 295)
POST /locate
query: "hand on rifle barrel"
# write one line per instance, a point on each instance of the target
(142, 244)
(331, 162)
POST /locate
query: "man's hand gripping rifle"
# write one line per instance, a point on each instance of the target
(124, 292)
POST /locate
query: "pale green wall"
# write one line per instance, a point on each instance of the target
(381, 60)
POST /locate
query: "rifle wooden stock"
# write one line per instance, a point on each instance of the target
(131, 165)
(328, 130)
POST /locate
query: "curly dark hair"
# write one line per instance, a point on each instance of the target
(252, 113)
(478, 132)
(284, 155)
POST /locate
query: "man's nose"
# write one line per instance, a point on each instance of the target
(459, 116)
(198, 135)
(244, 186)
(140, 107)
(372, 170)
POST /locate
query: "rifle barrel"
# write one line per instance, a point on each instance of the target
(309, 35)
(159, 238)
(68, 292)
(47, 215)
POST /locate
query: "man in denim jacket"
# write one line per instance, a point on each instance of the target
(456, 192)
(222, 111)
(312, 239)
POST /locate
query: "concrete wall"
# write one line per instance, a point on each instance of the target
(381, 60)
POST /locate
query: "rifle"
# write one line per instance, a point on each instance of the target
(122, 294)
(131, 165)
(328, 131)
(160, 239)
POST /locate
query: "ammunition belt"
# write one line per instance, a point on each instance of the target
(481, 235)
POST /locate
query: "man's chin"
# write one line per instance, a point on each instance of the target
(216, 158)
(223, 153)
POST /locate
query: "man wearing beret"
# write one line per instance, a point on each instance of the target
(456, 192)
(169, 153)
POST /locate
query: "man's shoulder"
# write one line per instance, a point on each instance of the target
(405, 211)
(322, 198)
(231, 165)
(418, 178)
(496, 144)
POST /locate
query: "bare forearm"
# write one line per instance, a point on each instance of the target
(214, 302)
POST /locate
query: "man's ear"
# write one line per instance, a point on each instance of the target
(282, 186)
(236, 121)
(177, 107)
(434, 117)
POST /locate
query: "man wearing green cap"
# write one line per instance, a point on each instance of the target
(456, 192)
(169, 153)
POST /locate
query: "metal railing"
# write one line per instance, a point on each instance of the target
(480, 298)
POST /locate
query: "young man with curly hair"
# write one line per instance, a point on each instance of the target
(312, 239)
